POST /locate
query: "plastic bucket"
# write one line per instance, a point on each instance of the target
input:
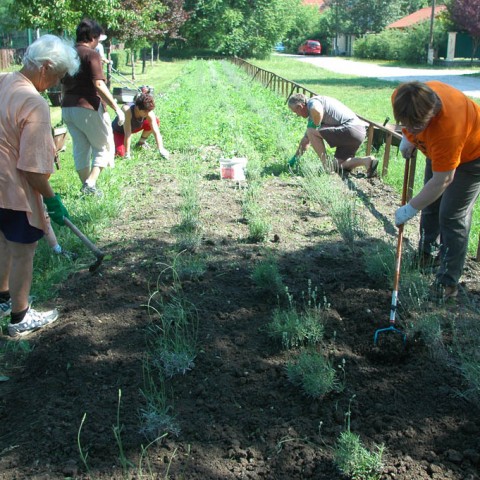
(233, 168)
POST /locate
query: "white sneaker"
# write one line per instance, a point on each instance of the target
(33, 321)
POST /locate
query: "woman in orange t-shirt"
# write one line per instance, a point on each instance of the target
(444, 124)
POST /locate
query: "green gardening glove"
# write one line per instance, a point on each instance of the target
(310, 123)
(293, 161)
(56, 209)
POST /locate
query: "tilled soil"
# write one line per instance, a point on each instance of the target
(239, 415)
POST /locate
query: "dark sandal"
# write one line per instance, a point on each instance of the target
(372, 171)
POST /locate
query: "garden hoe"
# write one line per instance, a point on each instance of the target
(88, 243)
(398, 261)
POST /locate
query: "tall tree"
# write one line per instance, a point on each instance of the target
(466, 15)
(61, 16)
(238, 27)
(362, 16)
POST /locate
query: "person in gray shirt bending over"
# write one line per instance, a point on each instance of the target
(331, 121)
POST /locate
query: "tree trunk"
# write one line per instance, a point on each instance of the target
(144, 60)
(475, 42)
(133, 63)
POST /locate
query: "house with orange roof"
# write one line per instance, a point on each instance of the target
(458, 45)
(419, 16)
(320, 3)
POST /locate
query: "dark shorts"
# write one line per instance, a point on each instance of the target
(15, 227)
(346, 139)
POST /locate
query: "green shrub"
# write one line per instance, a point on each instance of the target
(314, 373)
(267, 277)
(408, 45)
(119, 58)
(295, 329)
(355, 461)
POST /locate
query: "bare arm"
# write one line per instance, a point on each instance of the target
(433, 189)
(105, 94)
(156, 131)
(303, 145)
(316, 113)
(315, 116)
(40, 183)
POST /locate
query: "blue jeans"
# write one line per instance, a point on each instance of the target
(449, 219)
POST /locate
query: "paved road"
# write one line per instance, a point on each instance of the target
(458, 78)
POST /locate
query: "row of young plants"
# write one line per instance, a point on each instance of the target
(299, 330)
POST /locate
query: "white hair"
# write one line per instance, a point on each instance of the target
(58, 52)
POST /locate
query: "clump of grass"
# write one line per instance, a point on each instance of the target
(314, 374)
(12, 353)
(254, 213)
(267, 277)
(173, 340)
(355, 461)
(156, 417)
(344, 214)
(189, 266)
(189, 229)
(329, 192)
(466, 347)
(296, 328)
(428, 326)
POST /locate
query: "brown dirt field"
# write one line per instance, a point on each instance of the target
(239, 416)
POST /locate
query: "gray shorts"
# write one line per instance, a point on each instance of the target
(92, 137)
(346, 138)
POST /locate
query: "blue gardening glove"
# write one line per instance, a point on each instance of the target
(56, 209)
(406, 148)
(293, 161)
(404, 214)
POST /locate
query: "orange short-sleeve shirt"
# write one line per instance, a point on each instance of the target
(453, 135)
(26, 145)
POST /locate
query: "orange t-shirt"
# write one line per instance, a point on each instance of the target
(453, 135)
(26, 145)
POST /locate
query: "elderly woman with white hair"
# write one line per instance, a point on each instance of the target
(27, 151)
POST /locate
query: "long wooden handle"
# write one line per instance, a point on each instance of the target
(85, 240)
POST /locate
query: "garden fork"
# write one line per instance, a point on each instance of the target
(398, 262)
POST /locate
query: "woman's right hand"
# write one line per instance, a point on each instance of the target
(121, 117)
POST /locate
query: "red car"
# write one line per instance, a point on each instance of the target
(310, 47)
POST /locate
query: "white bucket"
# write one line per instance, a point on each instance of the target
(233, 168)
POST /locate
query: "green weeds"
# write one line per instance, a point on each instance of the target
(267, 277)
(299, 327)
(355, 461)
(314, 374)
(329, 192)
